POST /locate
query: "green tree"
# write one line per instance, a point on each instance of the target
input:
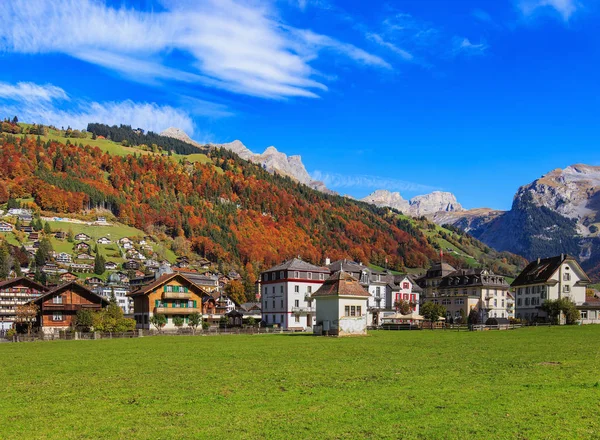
(432, 312)
(473, 318)
(70, 236)
(158, 321)
(178, 321)
(47, 228)
(194, 321)
(6, 262)
(99, 264)
(84, 320)
(554, 308)
(43, 252)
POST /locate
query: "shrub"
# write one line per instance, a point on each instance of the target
(10, 333)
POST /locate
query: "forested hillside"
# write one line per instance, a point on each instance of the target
(230, 210)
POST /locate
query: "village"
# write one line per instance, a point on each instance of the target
(336, 298)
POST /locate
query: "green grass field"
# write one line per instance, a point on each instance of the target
(523, 384)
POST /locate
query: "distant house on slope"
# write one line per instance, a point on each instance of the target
(82, 237)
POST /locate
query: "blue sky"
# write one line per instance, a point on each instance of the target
(472, 97)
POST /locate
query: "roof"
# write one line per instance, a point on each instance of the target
(70, 285)
(472, 277)
(541, 270)
(145, 289)
(298, 264)
(347, 266)
(23, 280)
(341, 284)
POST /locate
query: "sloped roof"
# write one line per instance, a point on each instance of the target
(23, 280)
(71, 285)
(298, 264)
(147, 288)
(347, 266)
(541, 270)
(341, 284)
(473, 277)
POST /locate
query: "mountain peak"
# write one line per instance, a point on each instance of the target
(437, 201)
(178, 133)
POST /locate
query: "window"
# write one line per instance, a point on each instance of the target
(309, 290)
(358, 311)
(297, 318)
(310, 275)
(583, 314)
(57, 316)
(567, 277)
(526, 301)
(296, 275)
(57, 300)
(566, 289)
(347, 311)
(406, 285)
(352, 310)
(282, 319)
(267, 320)
(281, 275)
(518, 301)
(280, 289)
(281, 303)
(495, 303)
(272, 276)
(297, 289)
(273, 303)
(266, 291)
(378, 291)
(273, 290)
(297, 304)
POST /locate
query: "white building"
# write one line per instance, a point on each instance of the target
(124, 301)
(385, 288)
(5, 227)
(341, 304)
(63, 257)
(550, 279)
(104, 240)
(286, 292)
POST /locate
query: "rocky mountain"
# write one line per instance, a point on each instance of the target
(177, 133)
(427, 204)
(275, 161)
(557, 213)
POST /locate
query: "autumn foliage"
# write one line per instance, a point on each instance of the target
(228, 209)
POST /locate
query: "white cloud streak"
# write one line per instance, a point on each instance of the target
(566, 8)
(464, 46)
(227, 44)
(49, 104)
(336, 181)
(379, 40)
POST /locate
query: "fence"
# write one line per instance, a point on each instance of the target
(213, 331)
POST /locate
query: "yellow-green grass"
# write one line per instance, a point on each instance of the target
(534, 383)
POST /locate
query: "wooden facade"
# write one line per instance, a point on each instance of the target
(59, 306)
(170, 295)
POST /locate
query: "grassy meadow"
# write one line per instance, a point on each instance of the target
(524, 384)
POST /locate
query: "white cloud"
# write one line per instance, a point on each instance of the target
(464, 46)
(234, 45)
(30, 92)
(49, 104)
(566, 8)
(379, 40)
(335, 180)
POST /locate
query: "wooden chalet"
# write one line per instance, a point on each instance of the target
(59, 306)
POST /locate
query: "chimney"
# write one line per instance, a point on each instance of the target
(327, 261)
(562, 257)
(538, 262)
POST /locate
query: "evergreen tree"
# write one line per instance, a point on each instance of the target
(47, 228)
(99, 264)
(70, 236)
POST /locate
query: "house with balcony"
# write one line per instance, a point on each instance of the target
(104, 240)
(170, 295)
(15, 292)
(58, 307)
(82, 237)
(341, 304)
(461, 291)
(5, 227)
(63, 258)
(83, 247)
(286, 291)
(550, 279)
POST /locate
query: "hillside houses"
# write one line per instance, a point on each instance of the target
(82, 237)
(5, 227)
(104, 240)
